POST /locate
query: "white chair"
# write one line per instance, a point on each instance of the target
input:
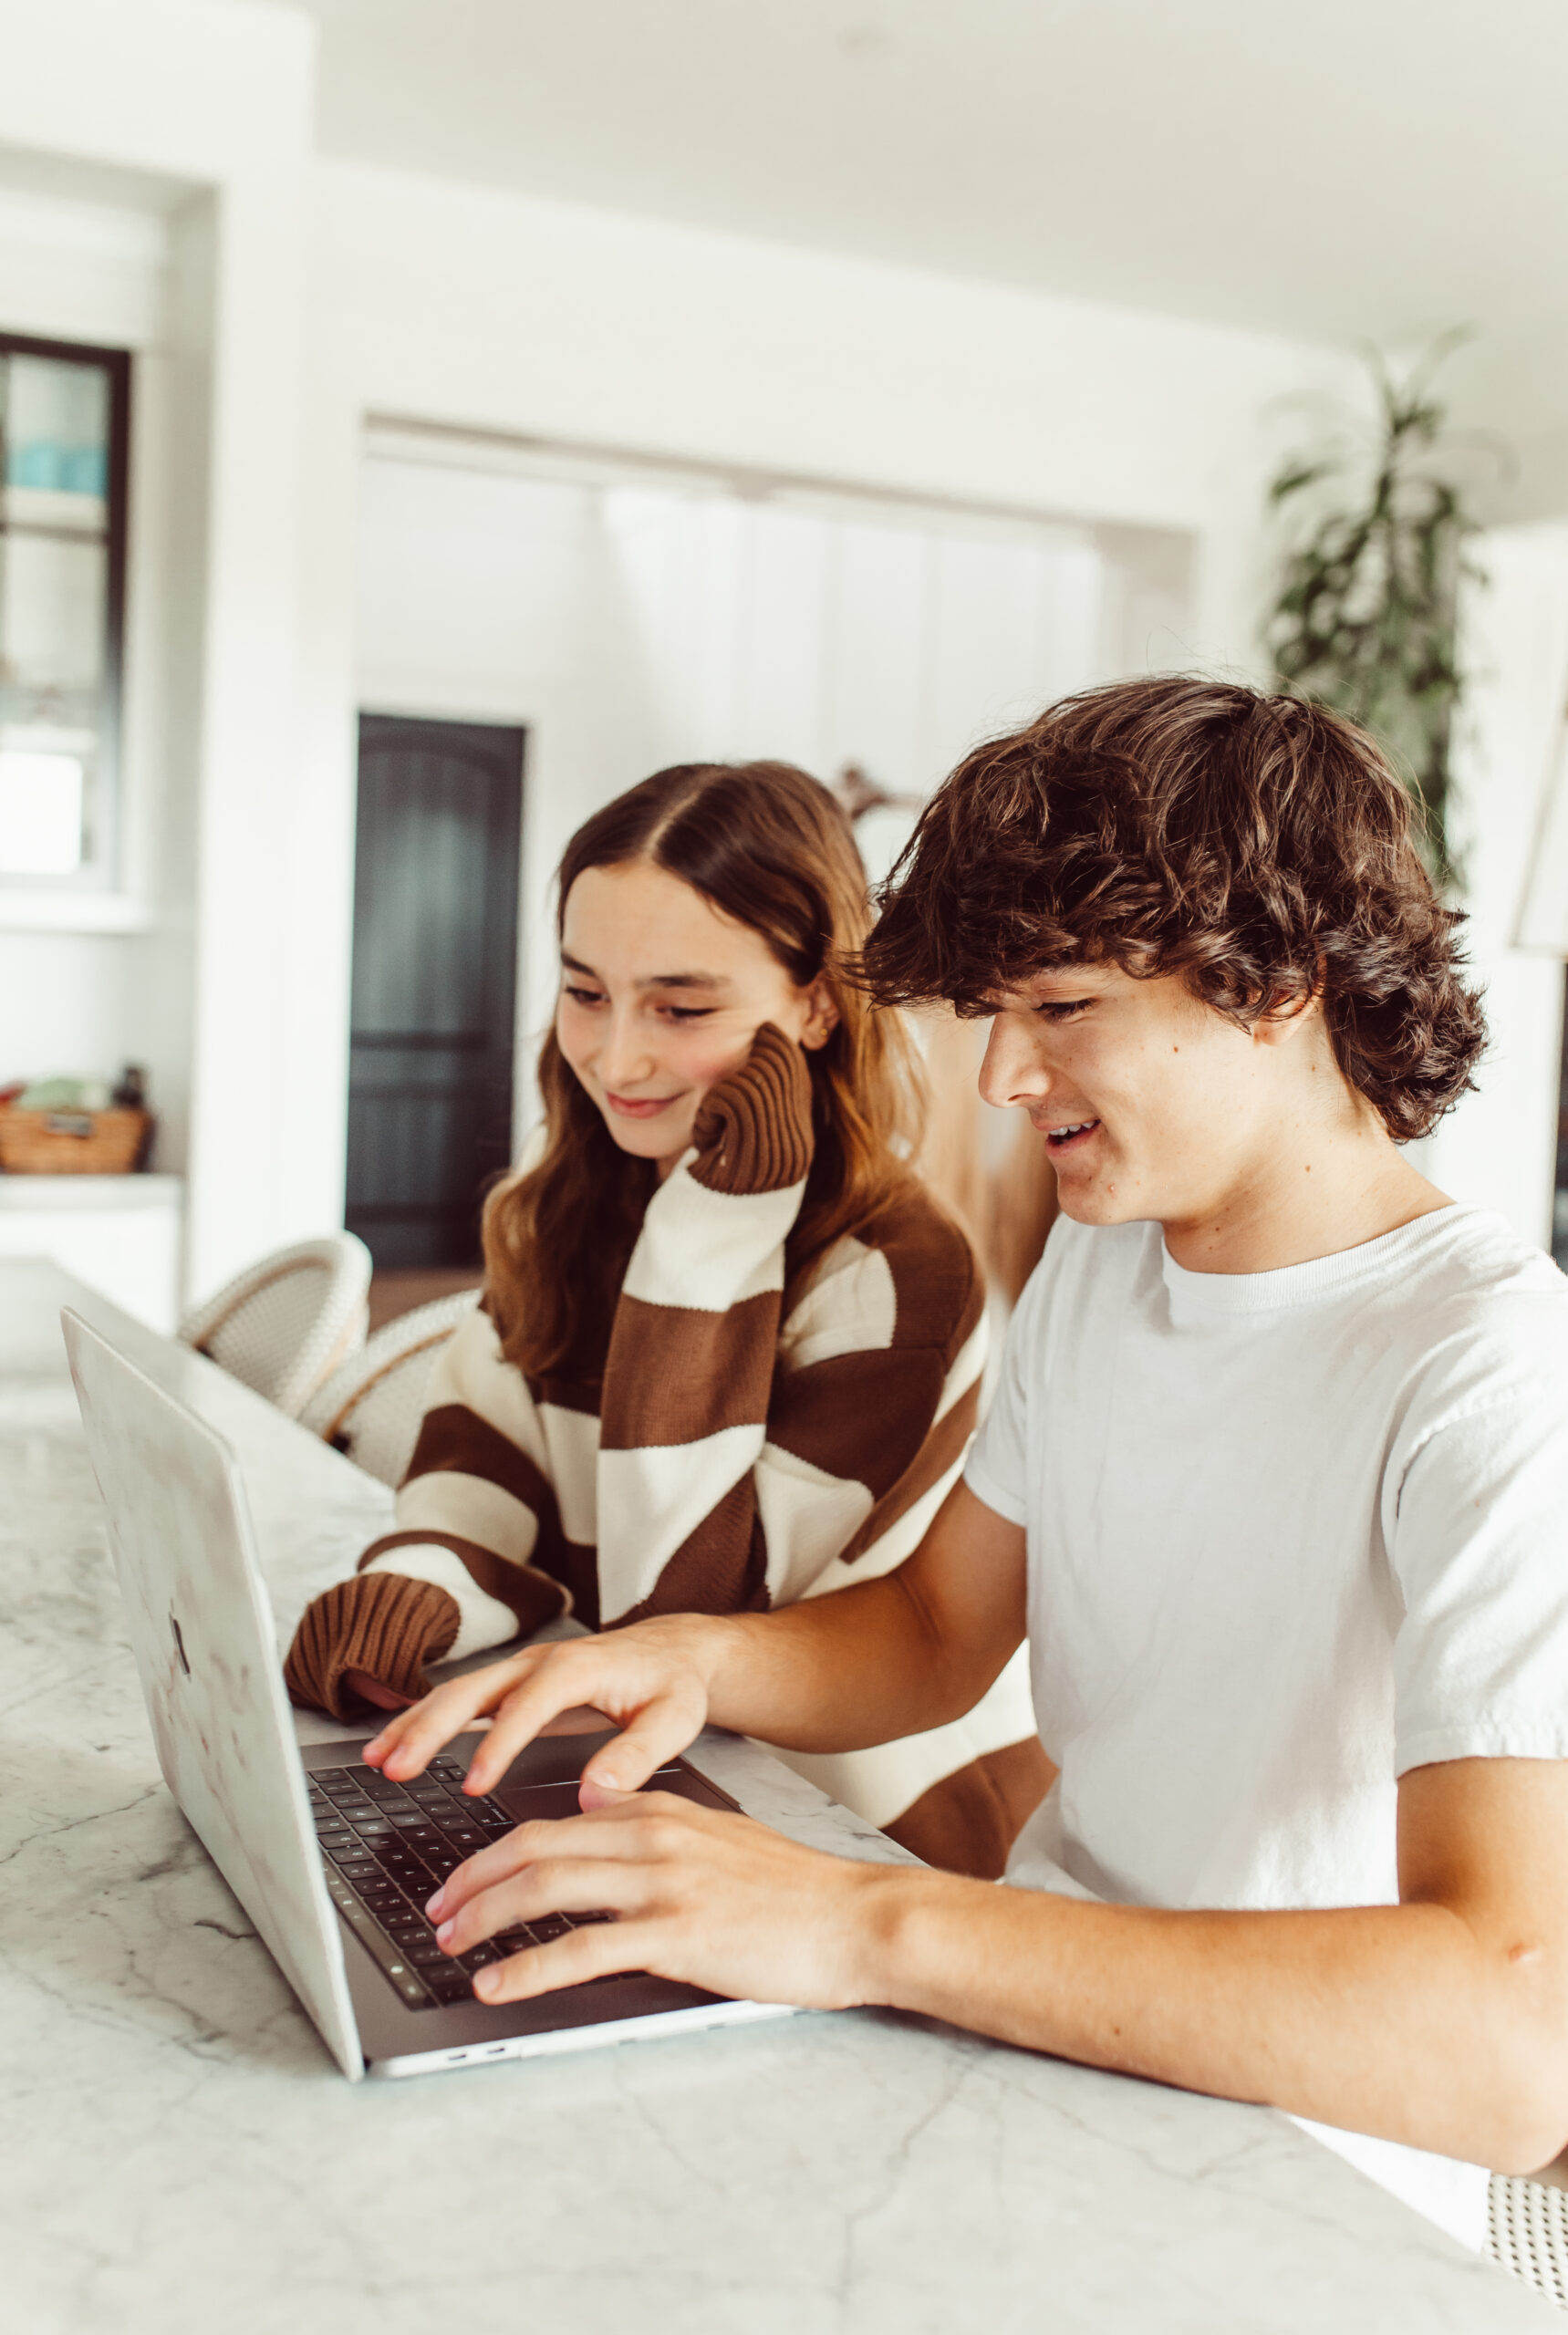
(1528, 2234)
(372, 1406)
(288, 1321)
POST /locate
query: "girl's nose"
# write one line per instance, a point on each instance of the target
(624, 1058)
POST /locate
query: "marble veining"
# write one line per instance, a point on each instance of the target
(180, 2153)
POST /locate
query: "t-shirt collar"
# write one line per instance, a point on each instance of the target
(1209, 1297)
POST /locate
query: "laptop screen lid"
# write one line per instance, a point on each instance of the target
(202, 1632)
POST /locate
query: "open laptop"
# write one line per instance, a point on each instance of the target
(332, 1862)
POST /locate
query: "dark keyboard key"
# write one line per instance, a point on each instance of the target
(466, 1837)
(404, 1980)
(548, 1926)
(477, 1956)
(491, 1819)
(450, 1985)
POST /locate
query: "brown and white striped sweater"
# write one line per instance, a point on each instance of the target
(733, 1457)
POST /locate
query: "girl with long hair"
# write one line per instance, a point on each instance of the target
(729, 1349)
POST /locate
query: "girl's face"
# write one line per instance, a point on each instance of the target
(661, 995)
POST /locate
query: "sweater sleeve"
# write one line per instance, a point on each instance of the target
(455, 1577)
(745, 1462)
(691, 1352)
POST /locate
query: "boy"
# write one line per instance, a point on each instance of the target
(1276, 1481)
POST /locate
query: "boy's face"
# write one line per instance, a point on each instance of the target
(1153, 1107)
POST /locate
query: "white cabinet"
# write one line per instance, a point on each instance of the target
(122, 1233)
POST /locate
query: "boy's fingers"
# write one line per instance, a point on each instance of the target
(594, 1837)
(658, 1735)
(524, 1713)
(418, 1734)
(557, 1884)
(601, 1951)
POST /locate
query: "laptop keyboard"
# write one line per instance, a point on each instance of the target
(388, 1847)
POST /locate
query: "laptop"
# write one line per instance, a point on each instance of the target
(332, 1862)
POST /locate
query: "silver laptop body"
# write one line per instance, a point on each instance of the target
(202, 1634)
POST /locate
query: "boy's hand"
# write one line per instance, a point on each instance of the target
(700, 1897)
(652, 1681)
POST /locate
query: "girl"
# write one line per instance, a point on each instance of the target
(730, 1350)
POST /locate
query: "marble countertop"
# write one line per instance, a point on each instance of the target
(180, 2154)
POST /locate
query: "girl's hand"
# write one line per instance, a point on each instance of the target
(651, 1680)
(754, 1131)
(702, 1897)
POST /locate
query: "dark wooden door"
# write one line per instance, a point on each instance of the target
(435, 954)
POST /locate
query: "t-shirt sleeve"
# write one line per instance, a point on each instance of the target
(1478, 1543)
(995, 1471)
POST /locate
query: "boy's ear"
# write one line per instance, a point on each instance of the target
(1281, 1023)
(823, 1018)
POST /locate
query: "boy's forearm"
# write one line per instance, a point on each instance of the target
(836, 1673)
(1392, 2020)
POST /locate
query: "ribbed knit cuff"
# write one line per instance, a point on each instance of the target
(379, 1622)
(753, 1132)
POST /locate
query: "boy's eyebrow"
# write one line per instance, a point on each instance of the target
(655, 981)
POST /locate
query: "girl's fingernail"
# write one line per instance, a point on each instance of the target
(433, 1904)
(487, 1980)
(443, 1935)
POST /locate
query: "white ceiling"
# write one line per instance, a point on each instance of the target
(1346, 168)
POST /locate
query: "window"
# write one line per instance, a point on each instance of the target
(64, 438)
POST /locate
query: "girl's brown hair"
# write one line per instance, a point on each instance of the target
(769, 847)
(1260, 846)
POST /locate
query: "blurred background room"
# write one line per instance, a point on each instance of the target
(422, 418)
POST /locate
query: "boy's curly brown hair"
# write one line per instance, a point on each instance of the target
(1260, 846)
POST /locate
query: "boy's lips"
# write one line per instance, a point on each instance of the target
(1067, 1135)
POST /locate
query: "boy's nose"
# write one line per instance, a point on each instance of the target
(1012, 1072)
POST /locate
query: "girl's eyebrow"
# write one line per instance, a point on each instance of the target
(655, 981)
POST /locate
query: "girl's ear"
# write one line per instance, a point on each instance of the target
(822, 1017)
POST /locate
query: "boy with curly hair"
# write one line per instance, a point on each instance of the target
(1276, 1483)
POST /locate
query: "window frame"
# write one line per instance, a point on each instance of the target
(102, 871)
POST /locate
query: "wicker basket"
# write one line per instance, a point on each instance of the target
(73, 1143)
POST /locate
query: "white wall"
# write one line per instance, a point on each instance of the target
(629, 626)
(1498, 1149)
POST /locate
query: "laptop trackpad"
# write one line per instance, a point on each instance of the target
(526, 1803)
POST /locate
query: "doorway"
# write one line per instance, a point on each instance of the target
(434, 985)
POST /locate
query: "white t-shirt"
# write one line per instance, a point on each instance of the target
(1289, 1534)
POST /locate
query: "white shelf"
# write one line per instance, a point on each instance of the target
(37, 909)
(85, 1194)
